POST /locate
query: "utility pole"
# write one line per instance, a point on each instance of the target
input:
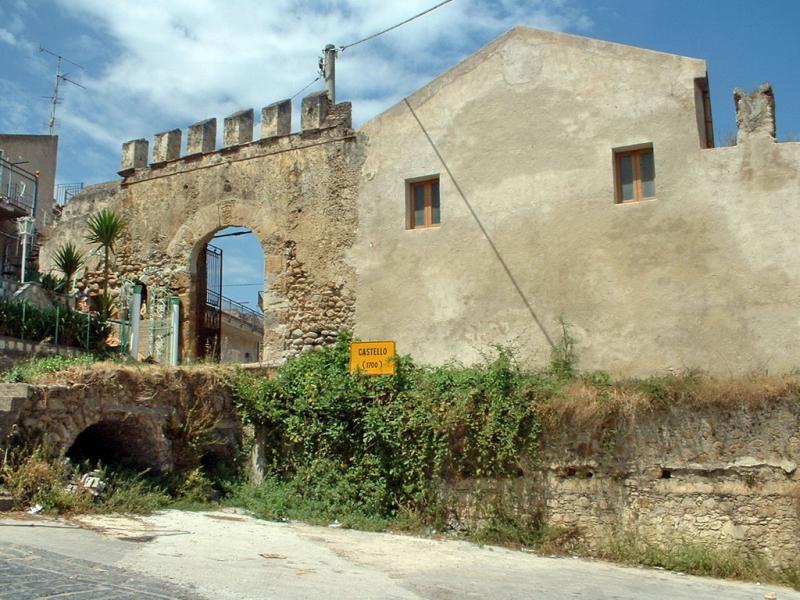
(329, 72)
(59, 78)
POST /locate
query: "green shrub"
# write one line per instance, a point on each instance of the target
(378, 446)
(22, 320)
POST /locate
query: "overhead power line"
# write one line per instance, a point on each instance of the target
(485, 233)
(222, 235)
(374, 35)
(312, 82)
(334, 50)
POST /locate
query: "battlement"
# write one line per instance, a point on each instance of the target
(317, 112)
(755, 113)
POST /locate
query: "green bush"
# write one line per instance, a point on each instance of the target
(343, 445)
(22, 320)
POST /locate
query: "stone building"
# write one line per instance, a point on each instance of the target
(548, 178)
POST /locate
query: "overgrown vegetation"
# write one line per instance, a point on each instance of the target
(374, 452)
(368, 449)
(33, 368)
(35, 477)
(695, 558)
(20, 319)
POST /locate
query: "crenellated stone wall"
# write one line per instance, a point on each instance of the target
(295, 191)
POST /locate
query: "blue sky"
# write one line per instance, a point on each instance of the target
(153, 65)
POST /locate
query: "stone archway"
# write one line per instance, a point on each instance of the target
(192, 238)
(295, 191)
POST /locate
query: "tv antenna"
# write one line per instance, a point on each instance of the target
(54, 100)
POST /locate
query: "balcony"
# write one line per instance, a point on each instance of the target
(17, 191)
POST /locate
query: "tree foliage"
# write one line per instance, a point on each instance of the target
(68, 260)
(105, 229)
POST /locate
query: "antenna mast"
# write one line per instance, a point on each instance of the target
(54, 101)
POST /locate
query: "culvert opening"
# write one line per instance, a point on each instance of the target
(126, 443)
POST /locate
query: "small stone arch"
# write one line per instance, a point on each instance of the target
(136, 442)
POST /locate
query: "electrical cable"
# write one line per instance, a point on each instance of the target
(374, 35)
(370, 37)
(485, 233)
(313, 81)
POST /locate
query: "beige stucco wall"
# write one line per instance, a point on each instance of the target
(240, 343)
(40, 153)
(706, 275)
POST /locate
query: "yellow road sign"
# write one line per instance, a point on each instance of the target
(372, 358)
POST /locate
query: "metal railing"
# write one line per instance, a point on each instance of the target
(17, 187)
(65, 191)
(236, 310)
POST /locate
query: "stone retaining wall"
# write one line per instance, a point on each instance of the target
(12, 350)
(152, 414)
(725, 476)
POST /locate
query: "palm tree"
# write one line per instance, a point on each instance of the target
(69, 260)
(105, 229)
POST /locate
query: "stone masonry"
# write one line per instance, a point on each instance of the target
(295, 191)
(722, 475)
(144, 414)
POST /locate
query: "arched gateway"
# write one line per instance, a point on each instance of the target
(295, 192)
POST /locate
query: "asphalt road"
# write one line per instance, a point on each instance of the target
(226, 555)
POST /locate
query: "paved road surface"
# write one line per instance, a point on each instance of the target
(226, 555)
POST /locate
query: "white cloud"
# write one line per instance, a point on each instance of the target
(173, 63)
(7, 37)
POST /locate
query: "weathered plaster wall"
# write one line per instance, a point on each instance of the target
(40, 153)
(240, 343)
(706, 275)
(296, 192)
(723, 475)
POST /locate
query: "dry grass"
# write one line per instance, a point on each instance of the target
(107, 371)
(588, 403)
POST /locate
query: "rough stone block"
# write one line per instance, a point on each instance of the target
(755, 113)
(167, 146)
(274, 263)
(340, 114)
(202, 137)
(134, 156)
(276, 119)
(315, 110)
(238, 128)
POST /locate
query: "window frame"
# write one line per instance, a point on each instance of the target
(638, 189)
(427, 184)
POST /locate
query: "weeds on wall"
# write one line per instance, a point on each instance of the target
(33, 368)
(687, 556)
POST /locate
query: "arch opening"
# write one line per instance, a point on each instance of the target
(127, 443)
(230, 285)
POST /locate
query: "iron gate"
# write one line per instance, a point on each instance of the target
(209, 304)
